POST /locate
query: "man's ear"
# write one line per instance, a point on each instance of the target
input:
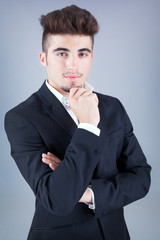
(43, 60)
(92, 55)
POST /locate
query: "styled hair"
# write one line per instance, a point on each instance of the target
(69, 20)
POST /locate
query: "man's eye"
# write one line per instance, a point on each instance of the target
(82, 54)
(62, 54)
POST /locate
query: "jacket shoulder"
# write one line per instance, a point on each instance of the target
(109, 100)
(30, 103)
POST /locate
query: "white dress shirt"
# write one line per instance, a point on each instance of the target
(86, 126)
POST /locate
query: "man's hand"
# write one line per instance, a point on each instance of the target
(84, 104)
(51, 160)
(87, 197)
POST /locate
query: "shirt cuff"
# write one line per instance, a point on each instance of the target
(91, 205)
(89, 127)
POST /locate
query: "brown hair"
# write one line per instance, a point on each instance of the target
(68, 20)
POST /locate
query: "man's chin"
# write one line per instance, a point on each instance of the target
(67, 89)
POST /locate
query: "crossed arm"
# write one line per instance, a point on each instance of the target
(53, 162)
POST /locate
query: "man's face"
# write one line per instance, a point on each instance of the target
(68, 61)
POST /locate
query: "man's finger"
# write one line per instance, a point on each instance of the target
(51, 157)
(82, 93)
(79, 92)
(87, 93)
(72, 92)
(96, 98)
(51, 165)
(48, 161)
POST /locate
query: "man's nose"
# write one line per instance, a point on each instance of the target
(72, 62)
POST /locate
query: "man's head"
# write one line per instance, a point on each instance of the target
(67, 46)
(69, 20)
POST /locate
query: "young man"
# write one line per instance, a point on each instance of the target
(76, 149)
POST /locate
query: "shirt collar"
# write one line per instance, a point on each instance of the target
(55, 92)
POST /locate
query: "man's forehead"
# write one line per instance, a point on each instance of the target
(69, 41)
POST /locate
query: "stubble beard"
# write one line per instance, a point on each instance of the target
(67, 89)
(73, 85)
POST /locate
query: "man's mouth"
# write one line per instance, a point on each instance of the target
(72, 75)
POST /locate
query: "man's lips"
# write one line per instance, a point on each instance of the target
(72, 76)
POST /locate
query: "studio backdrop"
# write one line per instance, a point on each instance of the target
(126, 65)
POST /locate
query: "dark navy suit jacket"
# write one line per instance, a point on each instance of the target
(113, 164)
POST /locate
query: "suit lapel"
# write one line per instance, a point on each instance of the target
(54, 108)
(103, 124)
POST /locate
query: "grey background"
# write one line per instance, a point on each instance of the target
(126, 65)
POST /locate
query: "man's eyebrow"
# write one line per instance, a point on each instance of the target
(61, 49)
(84, 50)
(67, 50)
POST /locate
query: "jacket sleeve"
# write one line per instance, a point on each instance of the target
(132, 180)
(56, 190)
